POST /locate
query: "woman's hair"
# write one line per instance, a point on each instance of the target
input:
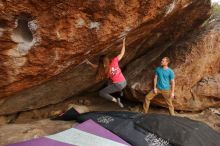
(103, 67)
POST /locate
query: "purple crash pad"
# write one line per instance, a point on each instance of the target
(94, 128)
(87, 126)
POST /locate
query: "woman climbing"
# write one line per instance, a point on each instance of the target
(109, 68)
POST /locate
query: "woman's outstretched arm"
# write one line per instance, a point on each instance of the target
(120, 56)
(91, 64)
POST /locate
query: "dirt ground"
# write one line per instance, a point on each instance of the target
(93, 102)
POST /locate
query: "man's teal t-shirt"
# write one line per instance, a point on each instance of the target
(164, 76)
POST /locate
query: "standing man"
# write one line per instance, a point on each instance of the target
(164, 76)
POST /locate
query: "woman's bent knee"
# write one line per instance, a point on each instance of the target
(101, 93)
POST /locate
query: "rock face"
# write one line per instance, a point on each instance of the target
(44, 43)
(209, 86)
(20, 132)
(196, 63)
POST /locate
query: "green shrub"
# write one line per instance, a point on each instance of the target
(216, 10)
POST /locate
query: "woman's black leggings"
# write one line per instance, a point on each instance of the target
(112, 88)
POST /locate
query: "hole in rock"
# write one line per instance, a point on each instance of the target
(3, 23)
(22, 32)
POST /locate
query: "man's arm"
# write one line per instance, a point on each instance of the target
(120, 56)
(172, 87)
(155, 84)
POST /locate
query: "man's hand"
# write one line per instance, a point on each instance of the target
(155, 90)
(172, 88)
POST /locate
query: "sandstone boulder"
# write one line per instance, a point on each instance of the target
(195, 61)
(13, 133)
(44, 43)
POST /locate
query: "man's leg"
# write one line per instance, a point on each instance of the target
(147, 100)
(168, 99)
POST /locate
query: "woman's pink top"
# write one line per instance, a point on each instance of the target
(115, 73)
